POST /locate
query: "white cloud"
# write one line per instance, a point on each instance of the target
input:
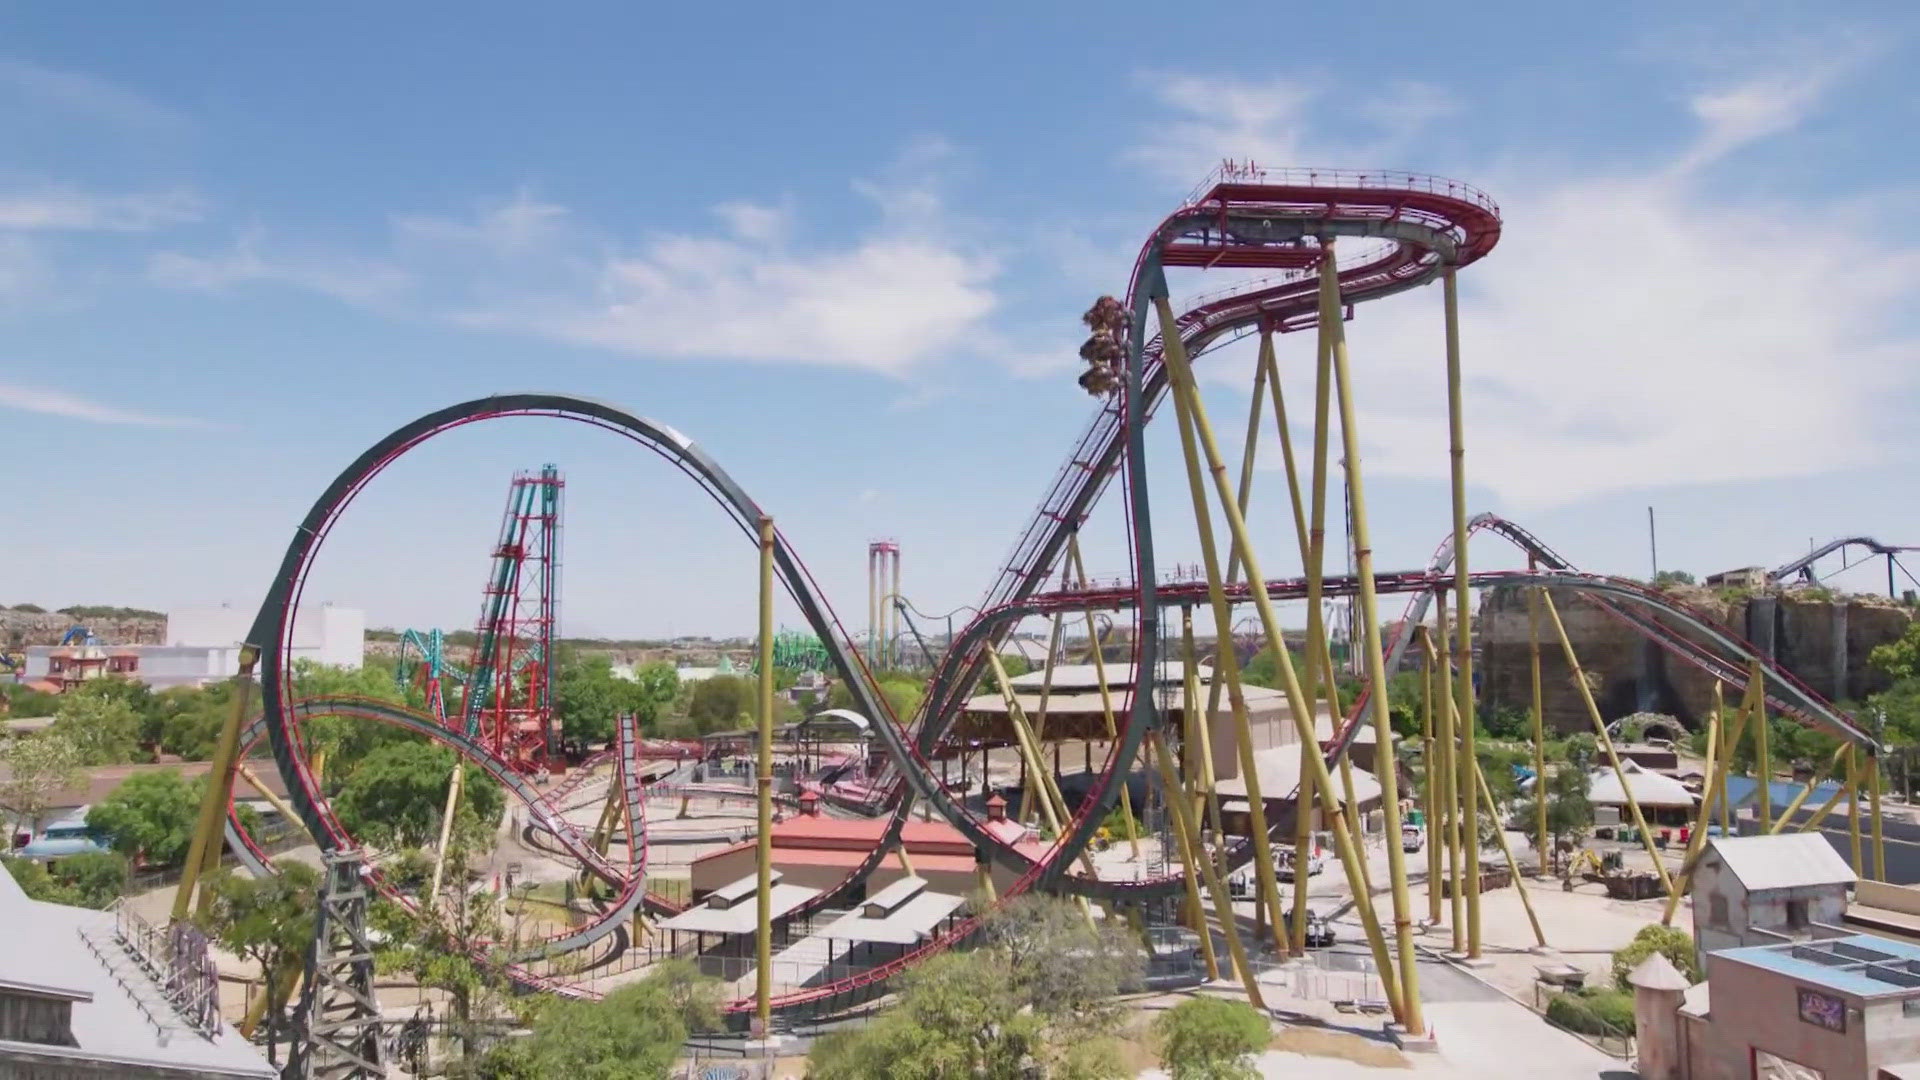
(1217, 118)
(60, 403)
(887, 300)
(1642, 329)
(86, 96)
(1637, 329)
(358, 281)
(69, 209)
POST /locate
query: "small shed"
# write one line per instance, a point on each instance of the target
(1755, 890)
(1663, 800)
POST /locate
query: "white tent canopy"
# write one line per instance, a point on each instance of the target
(1648, 788)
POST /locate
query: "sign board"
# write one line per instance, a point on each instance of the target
(1823, 1010)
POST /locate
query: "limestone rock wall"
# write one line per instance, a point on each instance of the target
(1824, 641)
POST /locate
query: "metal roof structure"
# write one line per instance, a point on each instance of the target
(1279, 771)
(731, 910)
(1782, 861)
(121, 1018)
(906, 912)
(1648, 788)
(1860, 965)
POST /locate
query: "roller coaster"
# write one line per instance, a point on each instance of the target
(1404, 231)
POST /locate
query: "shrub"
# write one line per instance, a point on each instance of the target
(1210, 1038)
(1572, 1012)
(1614, 1007)
(1670, 941)
(1593, 1012)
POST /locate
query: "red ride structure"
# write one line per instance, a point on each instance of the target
(509, 698)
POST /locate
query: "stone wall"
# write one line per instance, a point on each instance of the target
(19, 629)
(1824, 641)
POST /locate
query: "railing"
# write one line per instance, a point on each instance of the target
(171, 965)
(1246, 172)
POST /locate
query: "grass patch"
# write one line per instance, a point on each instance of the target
(1315, 1042)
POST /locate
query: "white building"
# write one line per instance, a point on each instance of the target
(202, 645)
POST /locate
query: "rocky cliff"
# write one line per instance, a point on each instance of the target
(19, 629)
(1822, 639)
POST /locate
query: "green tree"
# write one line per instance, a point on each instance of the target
(397, 795)
(1569, 813)
(39, 767)
(1672, 577)
(1210, 1038)
(442, 951)
(634, 1033)
(1036, 996)
(1670, 941)
(150, 815)
(586, 696)
(103, 727)
(97, 878)
(269, 921)
(720, 703)
(1900, 658)
(38, 883)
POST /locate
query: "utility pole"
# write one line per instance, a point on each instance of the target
(1653, 544)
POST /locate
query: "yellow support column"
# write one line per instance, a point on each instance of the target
(1376, 663)
(1194, 426)
(209, 832)
(1879, 841)
(1456, 427)
(1606, 743)
(1191, 427)
(1195, 904)
(1222, 900)
(1813, 781)
(1196, 725)
(1541, 840)
(454, 784)
(763, 899)
(1715, 788)
(1763, 761)
(1513, 865)
(1429, 767)
(1106, 698)
(1450, 789)
(1853, 809)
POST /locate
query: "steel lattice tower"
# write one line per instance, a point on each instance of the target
(340, 1039)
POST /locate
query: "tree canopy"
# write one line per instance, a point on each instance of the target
(152, 815)
(1210, 1038)
(396, 795)
(1035, 999)
(39, 766)
(589, 697)
(268, 920)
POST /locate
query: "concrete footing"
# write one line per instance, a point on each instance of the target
(1413, 1044)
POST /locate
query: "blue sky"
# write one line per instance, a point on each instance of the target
(847, 251)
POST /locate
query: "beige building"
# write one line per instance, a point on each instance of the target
(1760, 890)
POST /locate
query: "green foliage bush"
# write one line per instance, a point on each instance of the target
(1671, 941)
(1209, 1038)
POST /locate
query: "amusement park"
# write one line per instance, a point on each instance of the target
(1254, 797)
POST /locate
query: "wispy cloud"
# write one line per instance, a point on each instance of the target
(63, 208)
(348, 278)
(888, 299)
(1631, 328)
(73, 407)
(85, 96)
